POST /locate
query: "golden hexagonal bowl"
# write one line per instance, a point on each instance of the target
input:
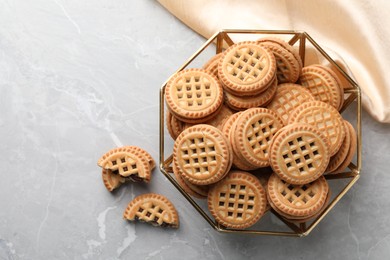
(272, 222)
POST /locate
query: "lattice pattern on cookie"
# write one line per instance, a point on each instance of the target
(287, 66)
(281, 69)
(316, 87)
(324, 121)
(297, 195)
(194, 91)
(247, 64)
(150, 212)
(237, 201)
(199, 156)
(259, 135)
(124, 165)
(287, 100)
(301, 155)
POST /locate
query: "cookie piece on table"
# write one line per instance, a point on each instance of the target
(112, 180)
(152, 208)
(130, 162)
(143, 152)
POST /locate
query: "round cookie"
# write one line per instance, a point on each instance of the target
(238, 160)
(337, 79)
(237, 163)
(303, 219)
(253, 132)
(246, 68)
(202, 154)
(297, 201)
(238, 201)
(312, 217)
(299, 154)
(323, 116)
(322, 84)
(288, 97)
(282, 43)
(287, 66)
(193, 94)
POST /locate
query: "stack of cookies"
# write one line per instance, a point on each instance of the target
(255, 106)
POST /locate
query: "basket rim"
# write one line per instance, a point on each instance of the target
(302, 229)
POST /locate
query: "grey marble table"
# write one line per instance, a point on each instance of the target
(80, 77)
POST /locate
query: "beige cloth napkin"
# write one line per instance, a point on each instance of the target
(358, 30)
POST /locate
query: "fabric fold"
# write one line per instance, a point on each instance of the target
(356, 30)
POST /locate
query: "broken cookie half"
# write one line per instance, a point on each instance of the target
(154, 209)
(127, 163)
(111, 180)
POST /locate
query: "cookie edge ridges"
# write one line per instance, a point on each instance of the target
(316, 103)
(239, 134)
(247, 89)
(336, 94)
(154, 196)
(176, 110)
(254, 181)
(226, 149)
(277, 142)
(271, 192)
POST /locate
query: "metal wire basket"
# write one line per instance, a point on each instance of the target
(344, 180)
